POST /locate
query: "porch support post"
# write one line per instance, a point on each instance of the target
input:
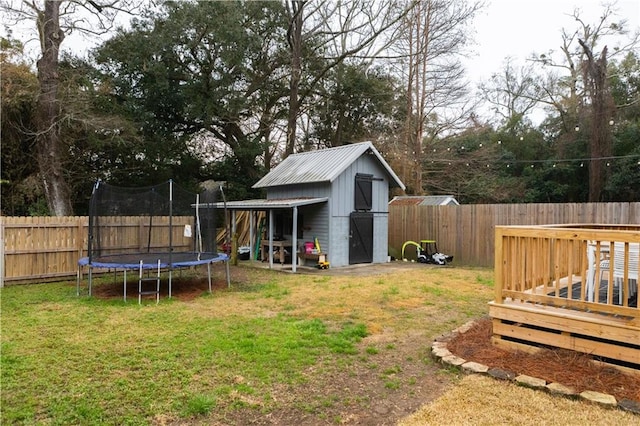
(234, 239)
(294, 240)
(271, 238)
(251, 238)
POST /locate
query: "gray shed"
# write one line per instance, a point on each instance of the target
(337, 196)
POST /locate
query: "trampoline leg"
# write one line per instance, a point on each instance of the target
(228, 278)
(209, 275)
(170, 271)
(90, 280)
(78, 283)
(125, 285)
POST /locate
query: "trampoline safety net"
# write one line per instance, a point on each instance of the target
(162, 218)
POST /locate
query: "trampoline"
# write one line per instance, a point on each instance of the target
(151, 229)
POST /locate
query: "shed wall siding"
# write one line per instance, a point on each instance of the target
(316, 223)
(342, 194)
(339, 235)
(311, 190)
(380, 238)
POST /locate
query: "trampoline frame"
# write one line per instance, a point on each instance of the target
(144, 261)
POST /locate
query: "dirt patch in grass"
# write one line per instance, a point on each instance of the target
(183, 287)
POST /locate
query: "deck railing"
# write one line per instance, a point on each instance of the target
(569, 266)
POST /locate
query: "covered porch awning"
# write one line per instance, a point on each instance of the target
(269, 205)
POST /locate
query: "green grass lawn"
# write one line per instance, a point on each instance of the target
(79, 360)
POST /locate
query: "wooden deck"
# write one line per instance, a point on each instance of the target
(552, 289)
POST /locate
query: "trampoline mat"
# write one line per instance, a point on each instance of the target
(150, 260)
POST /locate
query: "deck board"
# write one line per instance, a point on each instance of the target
(607, 336)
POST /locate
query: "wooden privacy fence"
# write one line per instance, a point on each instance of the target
(45, 248)
(467, 231)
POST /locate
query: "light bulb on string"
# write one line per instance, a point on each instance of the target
(577, 128)
(611, 122)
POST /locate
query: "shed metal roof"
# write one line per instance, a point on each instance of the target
(323, 165)
(423, 200)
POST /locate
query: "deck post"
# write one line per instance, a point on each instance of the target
(498, 265)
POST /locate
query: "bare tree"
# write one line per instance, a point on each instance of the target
(341, 31)
(576, 87)
(53, 21)
(434, 36)
(512, 93)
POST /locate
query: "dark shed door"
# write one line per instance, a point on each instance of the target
(363, 192)
(360, 237)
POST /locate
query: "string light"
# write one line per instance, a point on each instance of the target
(553, 162)
(548, 162)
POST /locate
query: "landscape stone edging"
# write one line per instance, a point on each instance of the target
(440, 352)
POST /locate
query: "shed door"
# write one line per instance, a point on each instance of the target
(363, 192)
(360, 237)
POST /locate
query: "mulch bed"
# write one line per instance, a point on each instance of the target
(570, 368)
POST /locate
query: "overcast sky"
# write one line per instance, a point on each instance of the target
(518, 28)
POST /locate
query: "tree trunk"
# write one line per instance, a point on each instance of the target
(48, 143)
(601, 110)
(295, 44)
